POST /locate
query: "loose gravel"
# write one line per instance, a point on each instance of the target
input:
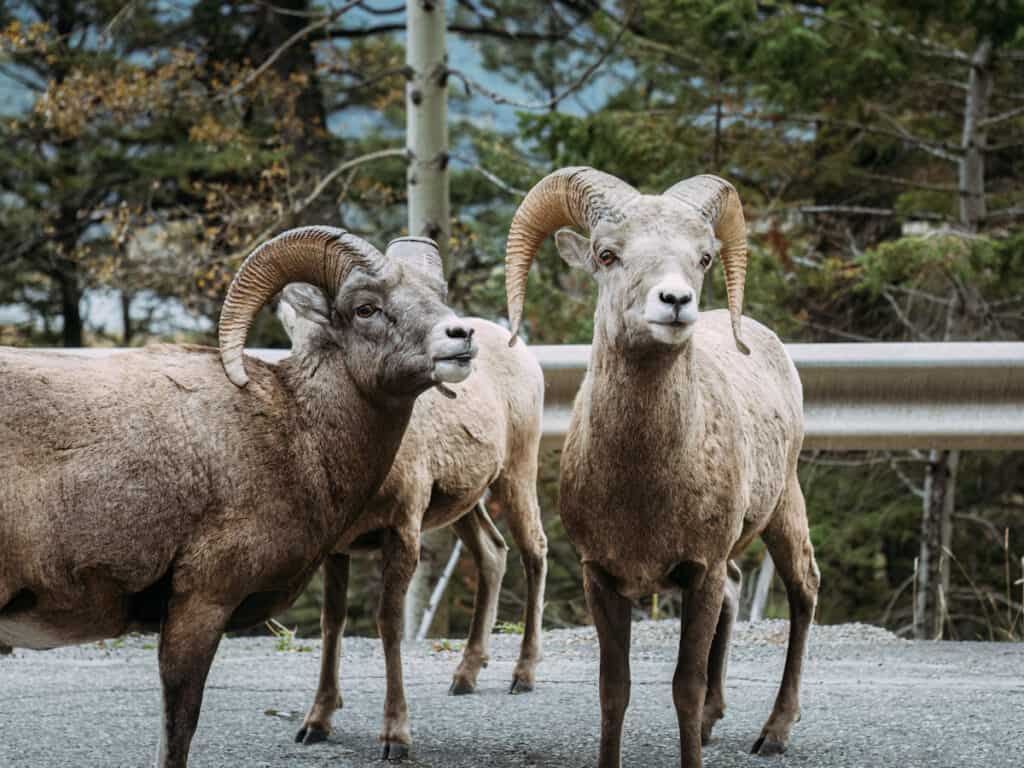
(869, 699)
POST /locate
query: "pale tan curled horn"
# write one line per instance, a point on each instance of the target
(578, 197)
(718, 202)
(321, 256)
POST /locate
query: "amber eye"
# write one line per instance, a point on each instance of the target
(705, 260)
(606, 257)
(366, 310)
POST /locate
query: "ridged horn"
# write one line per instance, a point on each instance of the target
(321, 256)
(578, 197)
(719, 203)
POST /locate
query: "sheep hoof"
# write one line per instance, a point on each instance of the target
(519, 685)
(461, 687)
(767, 747)
(394, 751)
(310, 734)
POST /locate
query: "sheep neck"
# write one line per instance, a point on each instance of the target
(656, 391)
(353, 438)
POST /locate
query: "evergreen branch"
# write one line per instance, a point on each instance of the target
(551, 103)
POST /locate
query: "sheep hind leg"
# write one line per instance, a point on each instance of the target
(714, 701)
(317, 725)
(400, 556)
(789, 544)
(519, 501)
(490, 553)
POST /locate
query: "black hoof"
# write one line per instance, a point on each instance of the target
(460, 688)
(767, 747)
(520, 686)
(309, 735)
(394, 751)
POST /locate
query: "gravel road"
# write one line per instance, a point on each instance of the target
(868, 700)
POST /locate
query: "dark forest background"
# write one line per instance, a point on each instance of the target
(878, 147)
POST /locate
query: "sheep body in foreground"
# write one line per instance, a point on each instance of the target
(146, 490)
(452, 452)
(684, 438)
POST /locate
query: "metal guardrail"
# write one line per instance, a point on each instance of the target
(967, 395)
(869, 396)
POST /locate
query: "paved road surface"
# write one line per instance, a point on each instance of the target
(868, 700)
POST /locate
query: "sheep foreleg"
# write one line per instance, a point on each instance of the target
(703, 599)
(490, 552)
(400, 555)
(317, 724)
(189, 638)
(612, 614)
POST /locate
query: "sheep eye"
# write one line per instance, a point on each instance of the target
(606, 257)
(705, 260)
(366, 310)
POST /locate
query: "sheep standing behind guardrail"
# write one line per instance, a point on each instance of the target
(144, 490)
(453, 450)
(683, 442)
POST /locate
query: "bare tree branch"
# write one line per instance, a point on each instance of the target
(281, 49)
(491, 177)
(903, 182)
(326, 180)
(1008, 115)
(903, 318)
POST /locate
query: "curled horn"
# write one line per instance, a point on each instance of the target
(718, 202)
(321, 256)
(579, 197)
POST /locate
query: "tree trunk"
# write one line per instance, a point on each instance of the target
(427, 186)
(126, 319)
(435, 546)
(936, 535)
(66, 278)
(764, 582)
(971, 168)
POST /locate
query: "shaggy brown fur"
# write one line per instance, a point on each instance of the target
(143, 490)
(681, 450)
(453, 450)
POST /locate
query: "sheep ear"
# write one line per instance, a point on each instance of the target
(306, 301)
(574, 249)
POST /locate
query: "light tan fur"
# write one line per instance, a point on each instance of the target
(681, 450)
(452, 452)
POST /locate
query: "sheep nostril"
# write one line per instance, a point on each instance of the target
(676, 299)
(459, 332)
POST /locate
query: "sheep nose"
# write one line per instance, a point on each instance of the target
(676, 298)
(459, 331)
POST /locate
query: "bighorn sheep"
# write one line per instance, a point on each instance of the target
(683, 442)
(146, 490)
(451, 453)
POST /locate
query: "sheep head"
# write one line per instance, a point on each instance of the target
(648, 253)
(385, 314)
